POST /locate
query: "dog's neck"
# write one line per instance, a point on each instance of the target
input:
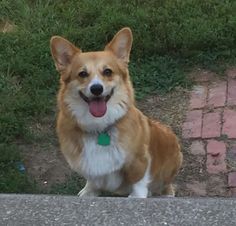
(99, 129)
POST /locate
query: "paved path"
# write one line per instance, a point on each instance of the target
(210, 124)
(72, 210)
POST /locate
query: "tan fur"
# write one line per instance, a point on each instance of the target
(141, 138)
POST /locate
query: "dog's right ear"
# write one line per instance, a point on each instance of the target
(62, 52)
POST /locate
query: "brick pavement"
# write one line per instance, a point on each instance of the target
(210, 125)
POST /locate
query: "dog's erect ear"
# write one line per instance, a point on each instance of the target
(62, 52)
(121, 44)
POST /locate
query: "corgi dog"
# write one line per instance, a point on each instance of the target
(102, 135)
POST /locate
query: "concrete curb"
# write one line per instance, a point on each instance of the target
(71, 210)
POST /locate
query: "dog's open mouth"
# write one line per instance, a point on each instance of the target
(97, 105)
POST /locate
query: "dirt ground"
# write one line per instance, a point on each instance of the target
(46, 165)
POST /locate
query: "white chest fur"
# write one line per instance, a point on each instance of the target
(99, 161)
(109, 182)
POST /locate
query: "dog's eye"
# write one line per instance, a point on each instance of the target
(83, 74)
(107, 72)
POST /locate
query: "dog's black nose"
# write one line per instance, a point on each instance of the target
(96, 89)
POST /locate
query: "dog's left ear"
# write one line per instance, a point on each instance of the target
(121, 44)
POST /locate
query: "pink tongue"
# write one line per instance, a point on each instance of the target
(97, 108)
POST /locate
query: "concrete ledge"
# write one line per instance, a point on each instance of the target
(71, 210)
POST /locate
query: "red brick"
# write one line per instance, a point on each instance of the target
(197, 148)
(211, 125)
(231, 73)
(216, 164)
(216, 154)
(215, 147)
(231, 95)
(229, 126)
(217, 94)
(193, 124)
(198, 97)
(232, 179)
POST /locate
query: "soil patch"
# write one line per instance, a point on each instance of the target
(7, 26)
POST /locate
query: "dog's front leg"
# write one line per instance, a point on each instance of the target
(139, 189)
(88, 191)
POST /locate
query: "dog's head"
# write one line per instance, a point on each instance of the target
(95, 85)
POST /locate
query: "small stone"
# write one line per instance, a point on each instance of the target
(197, 148)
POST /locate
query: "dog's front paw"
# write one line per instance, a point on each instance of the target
(87, 191)
(137, 195)
(139, 191)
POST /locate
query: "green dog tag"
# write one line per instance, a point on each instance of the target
(104, 139)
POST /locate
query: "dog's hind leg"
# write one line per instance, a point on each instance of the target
(168, 191)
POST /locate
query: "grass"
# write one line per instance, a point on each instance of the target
(169, 35)
(11, 179)
(159, 74)
(69, 187)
